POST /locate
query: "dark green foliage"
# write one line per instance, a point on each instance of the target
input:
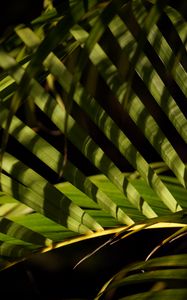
(92, 88)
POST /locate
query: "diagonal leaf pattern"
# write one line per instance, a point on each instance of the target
(143, 69)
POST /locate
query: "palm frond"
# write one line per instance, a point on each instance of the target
(117, 68)
(149, 280)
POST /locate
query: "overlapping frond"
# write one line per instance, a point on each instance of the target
(110, 77)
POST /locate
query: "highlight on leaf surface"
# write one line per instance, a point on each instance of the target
(101, 85)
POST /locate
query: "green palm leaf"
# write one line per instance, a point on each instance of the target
(157, 273)
(98, 72)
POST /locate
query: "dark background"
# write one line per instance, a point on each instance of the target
(51, 275)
